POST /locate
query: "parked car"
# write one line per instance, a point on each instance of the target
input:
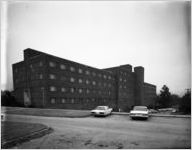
(101, 111)
(139, 112)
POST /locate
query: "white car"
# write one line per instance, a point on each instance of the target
(101, 111)
(139, 112)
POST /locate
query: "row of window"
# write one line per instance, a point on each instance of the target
(31, 66)
(19, 69)
(19, 79)
(123, 87)
(35, 76)
(80, 71)
(73, 100)
(81, 81)
(124, 80)
(39, 64)
(35, 65)
(71, 79)
(125, 94)
(124, 73)
(78, 90)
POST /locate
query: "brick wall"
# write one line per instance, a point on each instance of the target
(73, 85)
(149, 94)
(54, 82)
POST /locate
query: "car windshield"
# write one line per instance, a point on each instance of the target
(100, 108)
(140, 108)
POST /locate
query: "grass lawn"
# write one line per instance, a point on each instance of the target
(49, 112)
(12, 131)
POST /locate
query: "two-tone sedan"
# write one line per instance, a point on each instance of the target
(101, 111)
(139, 112)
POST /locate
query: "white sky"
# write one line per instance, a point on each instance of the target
(102, 34)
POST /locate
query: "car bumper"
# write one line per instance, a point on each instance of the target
(139, 116)
(98, 114)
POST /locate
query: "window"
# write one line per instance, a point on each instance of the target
(62, 67)
(104, 76)
(120, 79)
(72, 100)
(109, 77)
(105, 84)
(16, 80)
(72, 69)
(53, 100)
(125, 80)
(87, 81)
(94, 74)
(80, 91)
(72, 90)
(63, 78)
(99, 83)
(80, 70)
(32, 68)
(52, 88)
(87, 72)
(72, 79)
(52, 64)
(94, 83)
(80, 81)
(40, 64)
(63, 89)
(87, 91)
(16, 70)
(99, 75)
(40, 76)
(52, 76)
(93, 99)
(63, 100)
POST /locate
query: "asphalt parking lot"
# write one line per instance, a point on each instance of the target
(116, 131)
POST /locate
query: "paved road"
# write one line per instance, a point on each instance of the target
(112, 132)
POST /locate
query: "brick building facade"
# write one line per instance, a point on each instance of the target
(43, 80)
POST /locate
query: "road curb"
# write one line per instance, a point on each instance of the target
(30, 136)
(174, 116)
(120, 113)
(155, 115)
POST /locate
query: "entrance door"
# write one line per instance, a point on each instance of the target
(27, 97)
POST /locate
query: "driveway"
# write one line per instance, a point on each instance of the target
(111, 132)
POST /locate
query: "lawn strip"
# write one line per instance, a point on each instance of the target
(50, 112)
(17, 132)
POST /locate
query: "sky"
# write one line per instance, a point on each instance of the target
(103, 34)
